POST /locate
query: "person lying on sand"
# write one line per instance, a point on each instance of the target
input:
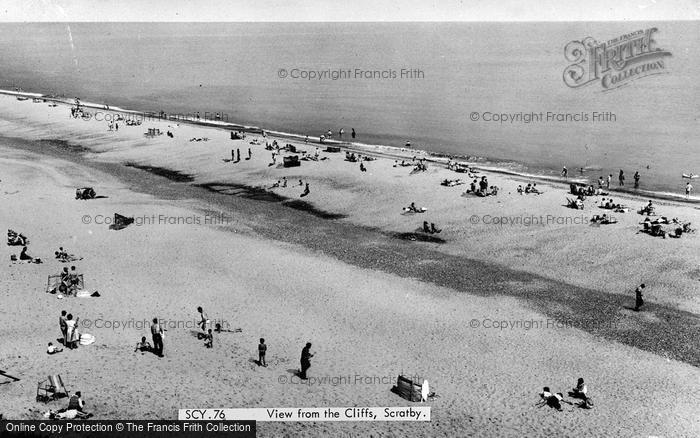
(219, 329)
(52, 349)
(16, 239)
(143, 346)
(551, 400)
(433, 229)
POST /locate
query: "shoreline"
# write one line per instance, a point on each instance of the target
(385, 151)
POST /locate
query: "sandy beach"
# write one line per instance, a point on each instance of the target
(336, 268)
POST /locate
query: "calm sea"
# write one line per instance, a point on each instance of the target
(457, 69)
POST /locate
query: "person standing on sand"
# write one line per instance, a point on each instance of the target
(262, 350)
(203, 319)
(688, 189)
(636, 179)
(621, 178)
(305, 360)
(238, 155)
(609, 180)
(639, 298)
(250, 154)
(157, 334)
(64, 327)
(340, 133)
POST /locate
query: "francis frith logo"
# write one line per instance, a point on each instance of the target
(616, 62)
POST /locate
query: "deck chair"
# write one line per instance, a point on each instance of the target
(51, 389)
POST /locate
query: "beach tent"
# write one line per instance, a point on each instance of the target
(292, 161)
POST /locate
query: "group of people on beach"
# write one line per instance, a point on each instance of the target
(530, 188)
(69, 332)
(554, 400)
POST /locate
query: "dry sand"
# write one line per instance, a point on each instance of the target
(365, 322)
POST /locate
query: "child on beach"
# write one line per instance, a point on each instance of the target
(262, 349)
(209, 339)
(203, 319)
(639, 298)
(143, 346)
(52, 349)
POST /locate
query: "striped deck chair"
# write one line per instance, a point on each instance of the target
(51, 389)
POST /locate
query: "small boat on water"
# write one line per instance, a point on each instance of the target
(691, 175)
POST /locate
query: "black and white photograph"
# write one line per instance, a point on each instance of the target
(380, 218)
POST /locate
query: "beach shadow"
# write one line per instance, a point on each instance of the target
(294, 372)
(418, 237)
(172, 175)
(197, 334)
(308, 208)
(100, 197)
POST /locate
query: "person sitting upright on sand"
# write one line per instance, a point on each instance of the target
(24, 256)
(580, 391)
(76, 402)
(209, 339)
(143, 346)
(52, 349)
